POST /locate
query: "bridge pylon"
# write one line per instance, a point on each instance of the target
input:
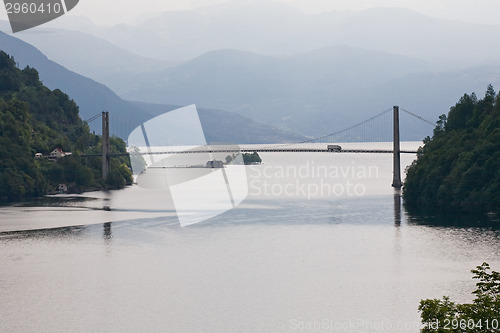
(105, 144)
(396, 180)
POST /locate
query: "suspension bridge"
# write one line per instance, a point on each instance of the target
(355, 133)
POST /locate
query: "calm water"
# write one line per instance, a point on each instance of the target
(306, 259)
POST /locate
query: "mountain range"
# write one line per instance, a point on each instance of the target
(93, 97)
(274, 28)
(269, 62)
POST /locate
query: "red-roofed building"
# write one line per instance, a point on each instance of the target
(57, 153)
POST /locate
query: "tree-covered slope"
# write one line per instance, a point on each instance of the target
(34, 119)
(92, 97)
(458, 169)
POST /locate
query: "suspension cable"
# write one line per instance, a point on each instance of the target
(343, 130)
(416, 116)
(91, 119)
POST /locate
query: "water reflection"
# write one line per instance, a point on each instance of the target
(107, 234)
(454, 220)
(63, 201)
(397, 208)
(241, 255)
(72, 232)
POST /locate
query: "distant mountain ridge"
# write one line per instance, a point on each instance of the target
(312, 93)
(274, 28)
(228, 127)
(87, 54)
(316, 92)
(93, 97)
(309, 74)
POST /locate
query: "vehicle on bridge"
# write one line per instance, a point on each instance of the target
(334, 148)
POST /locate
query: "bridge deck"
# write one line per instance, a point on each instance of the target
(265, 150)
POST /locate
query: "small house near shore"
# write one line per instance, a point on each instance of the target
(57, 153)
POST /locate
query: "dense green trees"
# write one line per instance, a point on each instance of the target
(34, 119)
(480, 316)
(458, 169)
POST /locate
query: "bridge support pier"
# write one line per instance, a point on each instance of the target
(105, 144)
(396, 180)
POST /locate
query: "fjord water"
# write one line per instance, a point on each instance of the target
(311, 249)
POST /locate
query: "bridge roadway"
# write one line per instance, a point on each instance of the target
(263, 150)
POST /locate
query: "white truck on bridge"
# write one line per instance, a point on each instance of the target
(334, 148)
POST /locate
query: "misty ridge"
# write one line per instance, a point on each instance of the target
(269, 62)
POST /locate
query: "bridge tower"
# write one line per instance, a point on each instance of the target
(105, 144)
(396, 180)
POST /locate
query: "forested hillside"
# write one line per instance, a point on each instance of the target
(458, 169)
(34, 119)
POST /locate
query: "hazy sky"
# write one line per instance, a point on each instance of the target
(126, 11)
(486, 11)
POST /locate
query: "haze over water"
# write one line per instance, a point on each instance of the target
(331, 262)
